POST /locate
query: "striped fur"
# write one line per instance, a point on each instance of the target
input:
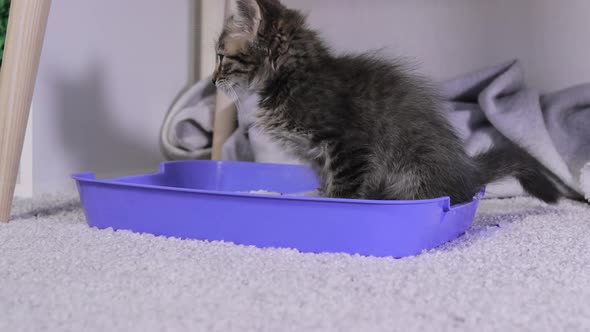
(370, 127)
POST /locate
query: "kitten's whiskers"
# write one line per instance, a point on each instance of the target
(229, 91)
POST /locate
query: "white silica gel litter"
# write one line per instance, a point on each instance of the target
(313, 193)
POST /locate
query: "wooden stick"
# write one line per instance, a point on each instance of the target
(224, 125)
(24, 40)
(225, 115)
(211, 14)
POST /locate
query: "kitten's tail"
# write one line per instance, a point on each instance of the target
(509, 159)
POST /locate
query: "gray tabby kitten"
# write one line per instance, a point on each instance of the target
(370, 128)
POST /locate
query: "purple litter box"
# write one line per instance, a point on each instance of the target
(210, 200)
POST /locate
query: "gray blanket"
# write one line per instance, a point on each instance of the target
(483, 106)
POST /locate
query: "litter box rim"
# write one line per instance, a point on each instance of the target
(90, 177)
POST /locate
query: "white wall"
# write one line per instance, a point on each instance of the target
(111, 68)
(108, 73)
(450, 37)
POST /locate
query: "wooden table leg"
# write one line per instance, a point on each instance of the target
(24, 40)
(224, 123)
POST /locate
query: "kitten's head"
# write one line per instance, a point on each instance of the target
(254, 43)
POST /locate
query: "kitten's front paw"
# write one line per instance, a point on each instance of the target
(321, 192)
(313, 193)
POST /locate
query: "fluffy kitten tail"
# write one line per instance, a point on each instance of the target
(511, 160)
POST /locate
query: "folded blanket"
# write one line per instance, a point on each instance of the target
(484, 106)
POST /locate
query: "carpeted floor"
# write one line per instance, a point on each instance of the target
(524, 266)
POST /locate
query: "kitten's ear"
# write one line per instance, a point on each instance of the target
(246, 16)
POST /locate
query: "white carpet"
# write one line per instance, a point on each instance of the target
(525, 266)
